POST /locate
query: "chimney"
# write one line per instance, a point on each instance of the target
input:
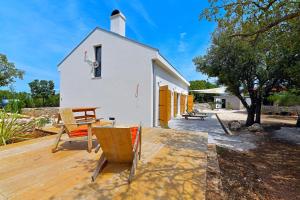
(117, 22)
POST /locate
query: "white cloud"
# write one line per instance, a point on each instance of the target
(182, 35)
(182, 46)
(140, 9)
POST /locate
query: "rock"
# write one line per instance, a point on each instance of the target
(255, 127)
(234, 125)
(24, 120)
(38, 112)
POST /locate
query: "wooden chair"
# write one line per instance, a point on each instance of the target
(119, 145)
(74, 129)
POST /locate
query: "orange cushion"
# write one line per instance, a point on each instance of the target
(80, 131)
(82, 128)
(134, 131)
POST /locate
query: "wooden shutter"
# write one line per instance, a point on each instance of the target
(164, 105)
(190, 103)
(181, 104)
(169, 104)
(175, 104)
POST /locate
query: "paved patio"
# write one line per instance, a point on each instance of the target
(173, 166)
(216, 134)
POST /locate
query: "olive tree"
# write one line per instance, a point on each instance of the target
(255, 48)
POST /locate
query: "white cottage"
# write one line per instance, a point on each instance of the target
(122, 77)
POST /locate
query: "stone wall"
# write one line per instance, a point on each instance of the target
(280, 109)
(44, 111)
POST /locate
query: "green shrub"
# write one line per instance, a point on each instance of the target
(38, 102)
(11, 129)
(19, 100)
(52, 101)
(40, 122)
(286, 98)
(14, 106)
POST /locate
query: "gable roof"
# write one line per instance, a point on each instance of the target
(130, 40)
(115, 34)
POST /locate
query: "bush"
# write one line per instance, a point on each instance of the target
(20, 100)
(53, 101)
(14, 106)
(286, 98)
(10, 129)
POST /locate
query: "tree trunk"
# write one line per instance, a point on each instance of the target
(251, 115)
(258, 111)
(298, 121)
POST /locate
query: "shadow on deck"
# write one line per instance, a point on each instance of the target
(173, 165)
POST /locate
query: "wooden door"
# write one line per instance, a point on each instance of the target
(164, 105)
(190, 103)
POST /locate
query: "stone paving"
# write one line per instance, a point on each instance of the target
(216, 134)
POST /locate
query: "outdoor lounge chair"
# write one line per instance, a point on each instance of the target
(75, 130)
(194, 114)
(119, 145)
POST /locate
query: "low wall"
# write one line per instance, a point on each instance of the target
(280, 109)
(37, 112)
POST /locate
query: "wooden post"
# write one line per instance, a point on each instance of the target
(90, 139)
(62, 129)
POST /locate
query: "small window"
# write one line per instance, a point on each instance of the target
(97, 69)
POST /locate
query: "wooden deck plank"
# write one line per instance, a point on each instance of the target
(173, 165)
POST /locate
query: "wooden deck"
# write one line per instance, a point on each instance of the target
(173, 166)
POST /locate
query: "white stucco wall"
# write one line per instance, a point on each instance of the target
(232, 102)
(125, 66)
(162, 77)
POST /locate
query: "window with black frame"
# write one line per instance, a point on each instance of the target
(97, 69)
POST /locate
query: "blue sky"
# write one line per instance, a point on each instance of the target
(37, 34)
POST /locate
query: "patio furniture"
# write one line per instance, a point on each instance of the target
(201, 116)
(119, 145)
(75, 129)
(87, 113)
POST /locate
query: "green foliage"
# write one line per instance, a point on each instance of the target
(234, 62)
(11, 129)
(42, 89)
(286, 98)
(19, 100)
(6, 94)
(14, 106)
(53, 101)
(40, 122)
(8, 71)
(255, 48)
(200, 85)
(248, 18)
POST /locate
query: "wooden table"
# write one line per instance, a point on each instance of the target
(85, 115)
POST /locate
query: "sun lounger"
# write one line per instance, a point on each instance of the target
(200, 116)
(119, 145)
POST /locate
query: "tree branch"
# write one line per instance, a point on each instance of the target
(269, 26)
(266, 8)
